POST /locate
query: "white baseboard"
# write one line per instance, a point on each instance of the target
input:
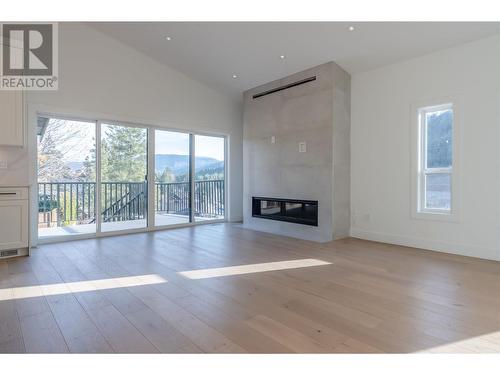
(440, 246)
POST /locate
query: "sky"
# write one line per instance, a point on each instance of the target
(166, 142)
(212, 147)
(178, 143)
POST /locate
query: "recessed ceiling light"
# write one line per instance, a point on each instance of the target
(235, 76)
(351, 28)
(282, 57)
(168, 38)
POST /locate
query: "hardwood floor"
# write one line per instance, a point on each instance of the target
(363, 297)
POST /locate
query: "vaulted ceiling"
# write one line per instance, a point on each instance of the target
(259, 52)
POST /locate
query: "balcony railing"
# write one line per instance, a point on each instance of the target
(68, 203)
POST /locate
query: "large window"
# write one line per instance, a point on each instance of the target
(209, 178)
(99, 177)
(66, 177)
(124, 170)
(435, 164)
(172, 178)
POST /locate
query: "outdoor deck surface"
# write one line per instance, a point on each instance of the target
(160, 220)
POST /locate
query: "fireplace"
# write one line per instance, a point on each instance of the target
(291, 210)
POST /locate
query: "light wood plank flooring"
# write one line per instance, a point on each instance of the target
(363, 297)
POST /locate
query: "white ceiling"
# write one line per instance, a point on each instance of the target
(213, 52)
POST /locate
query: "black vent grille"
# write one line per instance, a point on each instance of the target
(281, 88)
(8, 253)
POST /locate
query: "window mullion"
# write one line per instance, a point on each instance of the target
(438, 170)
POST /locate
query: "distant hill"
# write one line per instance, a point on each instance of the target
(179, 164)
(176, 163)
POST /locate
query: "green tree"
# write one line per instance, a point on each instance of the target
(89, 164)
(439, 139)
(166, 176)
(123, 154)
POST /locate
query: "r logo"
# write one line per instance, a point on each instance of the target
(28, 50)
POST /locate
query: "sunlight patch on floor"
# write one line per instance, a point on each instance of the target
(79, 286)
(488, 343)
(252, 268)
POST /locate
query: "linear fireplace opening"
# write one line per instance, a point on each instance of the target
(291, 210)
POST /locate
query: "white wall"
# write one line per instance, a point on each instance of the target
(101, 76)
(381, 152)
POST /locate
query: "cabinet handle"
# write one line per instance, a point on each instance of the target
(8, 193)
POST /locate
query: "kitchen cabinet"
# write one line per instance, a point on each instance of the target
(14, 222)
(11, 118)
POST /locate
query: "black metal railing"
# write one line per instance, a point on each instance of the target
(65, 203)
(172, 197)
(209, 198)
(123, 201)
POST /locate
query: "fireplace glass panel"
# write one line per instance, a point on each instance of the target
(294, 211)
(270, 207)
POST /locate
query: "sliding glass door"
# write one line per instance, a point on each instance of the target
(93, 177)
(209, 178)
(124, 169)
(66, 163)
(189, 178)
(172, 178)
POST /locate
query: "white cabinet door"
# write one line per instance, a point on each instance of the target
(13, 224)
(11, 118)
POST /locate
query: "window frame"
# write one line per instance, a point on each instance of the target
(35, 110)
(419, 161)
(425, 171)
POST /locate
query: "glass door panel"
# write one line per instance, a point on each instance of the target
(66, 177)
(172, 178)
(209, 178)
(123, 191)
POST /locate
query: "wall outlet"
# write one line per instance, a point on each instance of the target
(3, 164)
(302, 147)
(273, 139)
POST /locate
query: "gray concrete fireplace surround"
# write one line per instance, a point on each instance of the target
(275, 128)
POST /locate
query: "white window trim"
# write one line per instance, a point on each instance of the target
(34, 110)
(418, 170)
